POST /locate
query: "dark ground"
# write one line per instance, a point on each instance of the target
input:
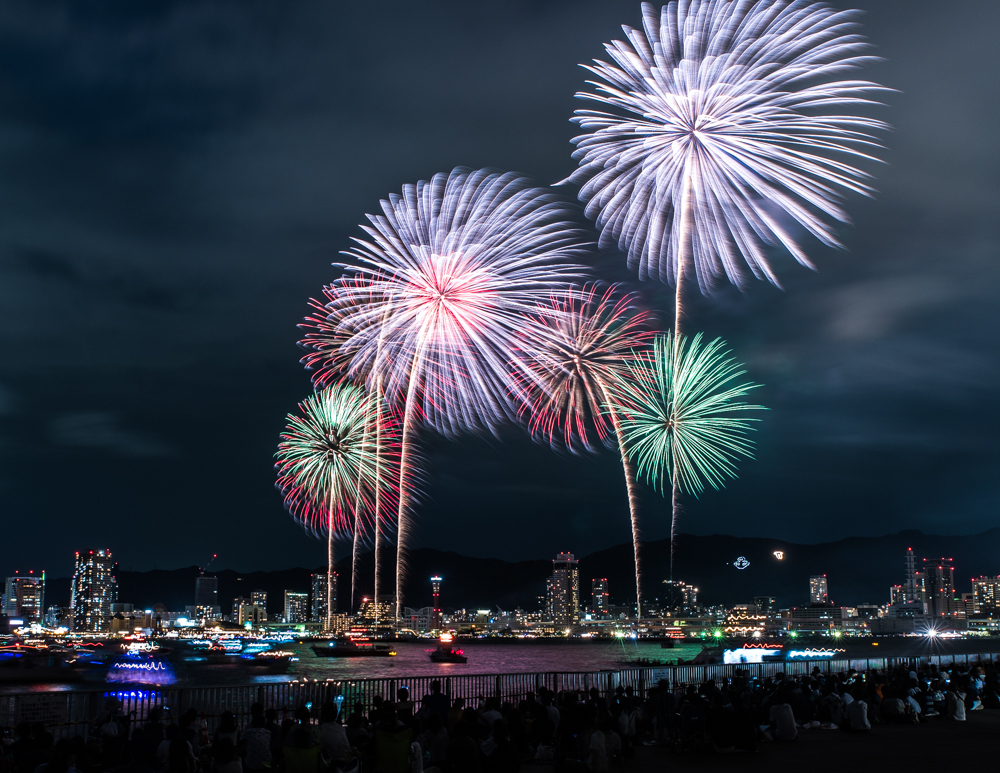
(934, 745)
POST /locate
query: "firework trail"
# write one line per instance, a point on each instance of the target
(682, 416)
(721, 142)
(327, 467)
(566, 384)
(438, 299)
(330, 350)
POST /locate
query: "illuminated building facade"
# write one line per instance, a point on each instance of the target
(318, 610)
(93, 591)
(936, 588)
(819, 595)
(206, 597)
(767, 605)
(435, 624)
(247, 611)
(564, 590)
(680, 598)
(25, 597)
(259, 597)
(377, 618)
(910, 591)
(601, 596)
(814, 618)
(896, 594)
(296, 607)
(986, 596)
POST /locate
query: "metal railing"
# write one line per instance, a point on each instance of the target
(68, 713)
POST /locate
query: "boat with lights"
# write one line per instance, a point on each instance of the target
(445, 653)
(354, 647)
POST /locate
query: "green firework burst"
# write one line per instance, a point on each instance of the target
(682, 412)
(326, 460)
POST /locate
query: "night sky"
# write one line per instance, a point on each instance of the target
(176, 180)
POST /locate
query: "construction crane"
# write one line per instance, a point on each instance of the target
(205, 568)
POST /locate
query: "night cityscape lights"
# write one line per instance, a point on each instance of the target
(678, 612)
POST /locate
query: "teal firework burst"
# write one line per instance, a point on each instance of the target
(683, 413)
(327, 458)
(331, 469)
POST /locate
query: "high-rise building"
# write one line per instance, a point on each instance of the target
(206, 597)
(766, 604)
(986, 596)
(318, 611)
(25, 597)
(94, 590)
(246, 611)
(436, 602)
(897, 594)
(296, 607)
(601, 597)
(936, 588)
(910, 594)
(818, 592)
(564, 590)
(679, 597)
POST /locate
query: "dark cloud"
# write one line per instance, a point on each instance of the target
(175, 181)
(103, 432)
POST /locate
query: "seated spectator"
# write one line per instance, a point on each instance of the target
(857, 716)
(227, 729)
(500, 751)
(224, 757)
(301, 752)
(63, 759)
(893, 709)
(404, 706)
(336, 747)
(955, 703)
(435, 702)
(782, 719)
(392, 743)
(597, 749)
(435, 741)
(463, 751)
(256, 741)
(612, 741)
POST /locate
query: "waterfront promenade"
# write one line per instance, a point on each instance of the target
(934, 745)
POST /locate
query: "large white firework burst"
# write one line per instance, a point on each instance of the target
(434, 312)
(450, 275)
(721, 143)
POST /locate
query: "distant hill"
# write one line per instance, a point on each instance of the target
(859, 569)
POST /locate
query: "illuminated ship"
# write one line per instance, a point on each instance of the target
(354, 646)
(445, 653)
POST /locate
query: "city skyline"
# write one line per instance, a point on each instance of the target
(930, 590)
(181, 196)
(930, 601)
